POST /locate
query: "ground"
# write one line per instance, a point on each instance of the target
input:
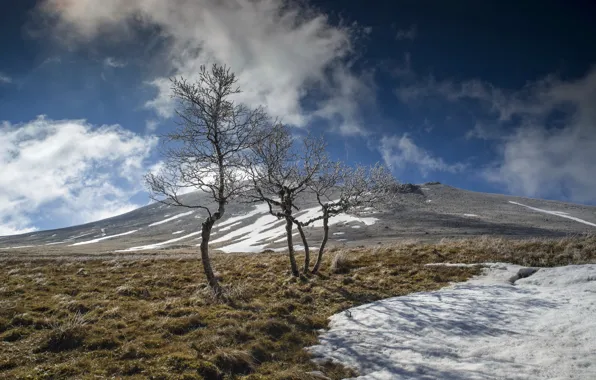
(154, 318)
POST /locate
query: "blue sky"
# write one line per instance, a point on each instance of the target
(488, 96)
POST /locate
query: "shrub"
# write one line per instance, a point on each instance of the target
(234, 362)
(14, 335)
(272, 328)
(209, 371)
(340, 263)
(184, 325)
(180, 362)
(67, 335)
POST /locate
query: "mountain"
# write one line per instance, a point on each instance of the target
(429, 212)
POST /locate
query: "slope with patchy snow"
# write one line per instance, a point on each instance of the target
(268, 229)
(543, 327)
(104, 238)
(452, 213)
(171, 218)
(562, 214)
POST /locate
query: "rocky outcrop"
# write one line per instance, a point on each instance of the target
(523, 273)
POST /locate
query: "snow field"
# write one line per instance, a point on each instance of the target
(543, 327)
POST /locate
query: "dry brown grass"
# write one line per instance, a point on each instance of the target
(157, 319)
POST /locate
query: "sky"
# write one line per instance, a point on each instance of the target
(490, 96)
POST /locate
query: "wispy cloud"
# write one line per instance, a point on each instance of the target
(553, 159)
(544, 132)
(75, 171)
(151, 125)
(399, 152)
(407, 34)
(283, 52)
(5, 78)
(113, 62)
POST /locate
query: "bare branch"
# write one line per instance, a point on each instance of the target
(208, 150)
(280, 171)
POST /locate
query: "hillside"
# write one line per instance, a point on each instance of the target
(427, 212)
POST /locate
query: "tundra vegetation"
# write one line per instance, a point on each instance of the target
(158, 319)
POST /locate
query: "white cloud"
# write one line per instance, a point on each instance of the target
(407, 34)
(539, 159)
(151, 125)
(5, 78)
(68, 172)
(545, 131)
(399, 152)
(557, 163)
(281, 50)
(113, 62)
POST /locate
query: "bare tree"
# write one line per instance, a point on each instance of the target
(207, 151)
(340, 189)
(281, 170)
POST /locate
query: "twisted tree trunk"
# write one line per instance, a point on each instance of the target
(293, 265)
(205, 235)
(306, 249)
(315, 269)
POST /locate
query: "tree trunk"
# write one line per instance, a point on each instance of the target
(323, 243)
(306, 249)
(205, 235)
(289, 224)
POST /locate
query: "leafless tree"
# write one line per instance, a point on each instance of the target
(282, 169)
(340, 189)
(207, 151)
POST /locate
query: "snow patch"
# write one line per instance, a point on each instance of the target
(471, 215)
(261, 209)
(485, 328)
(296, 248)
(229, 227)
(159, 245)
(556, 213)
(171, 218)
(80, 236)
(284, 239)
(457, 265)
(103, 238)
(177, 232)
(267, 228)
(253, 237)
(341, 218)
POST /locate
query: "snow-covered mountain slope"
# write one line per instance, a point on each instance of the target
(541, 327)
(431, 211)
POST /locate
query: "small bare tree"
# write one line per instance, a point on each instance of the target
(340, 189)
(281, 170)
(207, 151)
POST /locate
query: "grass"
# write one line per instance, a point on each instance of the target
(157, 319)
